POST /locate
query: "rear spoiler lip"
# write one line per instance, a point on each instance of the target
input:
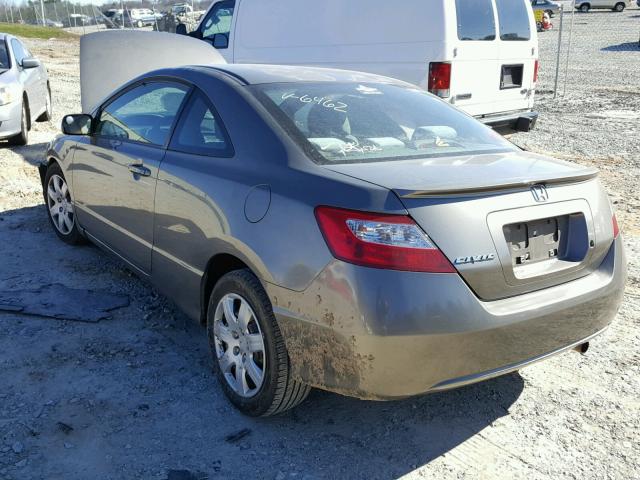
(452, 191)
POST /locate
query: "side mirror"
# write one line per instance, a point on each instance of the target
(220, 40)
(30, 62)
(79, 124)
(181, 29)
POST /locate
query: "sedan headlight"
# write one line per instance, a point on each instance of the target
(7, 94)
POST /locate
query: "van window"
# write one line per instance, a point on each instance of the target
(514, 20)
(219, 20)
(476, 19)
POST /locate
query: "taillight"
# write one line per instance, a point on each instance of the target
(616, 229)
(535, 71)
(377, 240)
(440, 79)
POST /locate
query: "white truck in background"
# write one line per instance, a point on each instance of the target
(479, 55)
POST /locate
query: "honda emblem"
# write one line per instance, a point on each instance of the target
(539, 193)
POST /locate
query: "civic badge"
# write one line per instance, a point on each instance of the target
(539, 193)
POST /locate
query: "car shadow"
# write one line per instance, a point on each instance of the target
(399, 436)
(327, 436)
(31, 153)
(623, 47)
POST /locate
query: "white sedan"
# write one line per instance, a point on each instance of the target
(25, 94)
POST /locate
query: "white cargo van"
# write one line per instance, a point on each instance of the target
(480, 55)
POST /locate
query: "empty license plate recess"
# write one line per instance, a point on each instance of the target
(563, 238)
(511, 76)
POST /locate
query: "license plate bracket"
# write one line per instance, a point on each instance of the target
(537, 240)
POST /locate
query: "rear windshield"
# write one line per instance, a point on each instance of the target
(514, 20)
(476, 20)
(365, 122)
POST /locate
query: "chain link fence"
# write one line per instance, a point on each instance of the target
(589, 48)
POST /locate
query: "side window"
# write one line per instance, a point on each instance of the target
(18, 51)
(219, 20)
(514, 20)
(143, 114)
(200, 130)
(476, 20)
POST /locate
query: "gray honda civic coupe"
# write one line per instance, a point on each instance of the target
(338, 230)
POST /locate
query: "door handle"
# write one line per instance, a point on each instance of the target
(138, 169)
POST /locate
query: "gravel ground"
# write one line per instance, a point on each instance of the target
(133, 397)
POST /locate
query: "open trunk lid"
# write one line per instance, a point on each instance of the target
(109, 59)
(510, 223)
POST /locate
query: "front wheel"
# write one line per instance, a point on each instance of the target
(60, 208)
(249, 354)
(22, 138)
(48, 112)
(584, 8)
(619, 7)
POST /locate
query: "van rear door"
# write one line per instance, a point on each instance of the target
(518, 52)
(475, 61)
(494, 56)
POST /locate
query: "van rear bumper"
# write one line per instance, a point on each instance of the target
(511, 122)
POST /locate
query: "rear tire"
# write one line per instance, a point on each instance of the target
(585, 7)
(275, 392)
(22, 138)
(619, 7)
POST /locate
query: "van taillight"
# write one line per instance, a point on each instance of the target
(535, 71)
(440, 79)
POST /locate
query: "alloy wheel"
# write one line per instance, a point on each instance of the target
(60, 205)
(239, 345)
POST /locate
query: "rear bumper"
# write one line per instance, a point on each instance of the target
(381, 334)
(511, 122)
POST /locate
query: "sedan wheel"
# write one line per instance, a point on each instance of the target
(619, 7)
(60, 206)
(239, 345)
(584, 8)
(250, 356)
(22, 138)
(48, 112)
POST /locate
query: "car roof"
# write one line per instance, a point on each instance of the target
(262, 73)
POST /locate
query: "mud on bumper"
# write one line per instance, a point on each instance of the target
(379, 334)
